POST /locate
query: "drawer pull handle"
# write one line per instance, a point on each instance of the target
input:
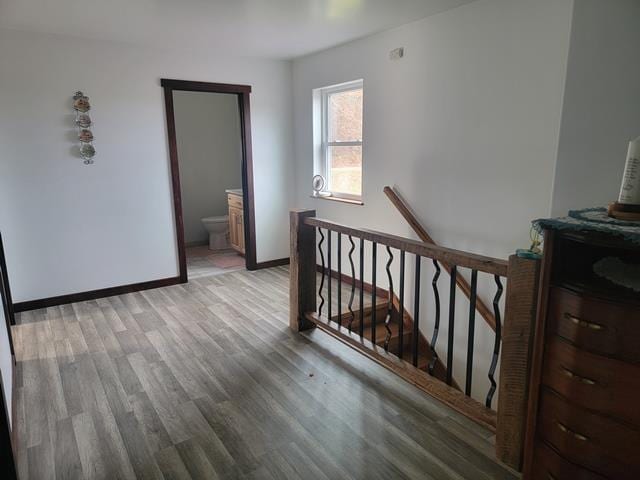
(583, 323)
(550, 477)
(568, 431)
(570, 374)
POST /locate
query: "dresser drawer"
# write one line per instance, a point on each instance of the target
(234, 200)
(548, 465)
(608, 386)
(589, 440)
(608, 328)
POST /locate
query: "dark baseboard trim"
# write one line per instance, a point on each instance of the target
(272, 263)
(93, 294)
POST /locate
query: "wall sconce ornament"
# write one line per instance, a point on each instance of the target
(83, 121)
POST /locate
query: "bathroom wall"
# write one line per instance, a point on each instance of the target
(210, 156)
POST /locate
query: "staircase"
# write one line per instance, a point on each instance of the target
(381, 307)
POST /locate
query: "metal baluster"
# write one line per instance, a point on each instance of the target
(323, 272)
(330, 273)
(452, 321)
(361, 326)
(339, 279)
(387, 320)
(436, 326)
(415, 338)
(472, 330)
(374, 254)
(353, 282)
(401, 309)
(498, 340)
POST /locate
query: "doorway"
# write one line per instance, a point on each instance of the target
(205, 246)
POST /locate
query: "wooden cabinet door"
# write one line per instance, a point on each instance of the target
(241, 232)
(236, 228)
(233, 231)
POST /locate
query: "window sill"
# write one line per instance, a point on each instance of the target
(338, 199)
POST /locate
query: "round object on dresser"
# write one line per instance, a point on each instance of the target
(621, 211)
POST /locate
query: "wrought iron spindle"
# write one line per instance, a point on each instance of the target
(415, 338)
(374, 255)
(401, 307)
(472, 330)
(387, 320)
(330, 273)
(361, 326)
(353, 283)
(323, 272)
(436, 326)
(452, 322)
(498, 340)
(339, 279)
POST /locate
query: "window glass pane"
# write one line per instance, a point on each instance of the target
(345, 116)
(345, 169)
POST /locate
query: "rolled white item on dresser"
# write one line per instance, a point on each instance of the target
(630, 189)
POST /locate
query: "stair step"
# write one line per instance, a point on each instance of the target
(381, 302)
(381, 306)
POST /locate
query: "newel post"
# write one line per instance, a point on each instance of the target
(515, 367)
(302, 268)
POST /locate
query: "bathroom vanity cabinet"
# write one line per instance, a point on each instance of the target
(236, 221)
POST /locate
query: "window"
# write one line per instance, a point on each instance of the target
(339, 151)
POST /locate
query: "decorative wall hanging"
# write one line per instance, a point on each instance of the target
(81, 106)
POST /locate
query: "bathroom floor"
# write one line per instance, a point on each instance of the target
(202, 262)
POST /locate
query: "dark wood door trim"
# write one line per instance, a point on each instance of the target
(242, 92)
(7, 458)
(5, 293)
(6, 436)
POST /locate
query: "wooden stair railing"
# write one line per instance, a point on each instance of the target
(422, 233)
(311, 307)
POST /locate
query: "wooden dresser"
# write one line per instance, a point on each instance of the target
(584, 401)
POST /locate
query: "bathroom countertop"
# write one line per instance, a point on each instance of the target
(234, 191)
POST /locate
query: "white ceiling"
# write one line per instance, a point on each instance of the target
(266, 28)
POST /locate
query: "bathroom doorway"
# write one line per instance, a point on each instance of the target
(209, 135)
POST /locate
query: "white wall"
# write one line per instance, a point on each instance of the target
(72, 228)
(6, 364)
(208, 138)
(601, 111)
(466, 125)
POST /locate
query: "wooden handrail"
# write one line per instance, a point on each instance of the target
(494, 266)
(411, 219)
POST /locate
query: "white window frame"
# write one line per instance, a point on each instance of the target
(322, 164)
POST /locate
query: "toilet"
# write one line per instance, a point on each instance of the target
(218, 228)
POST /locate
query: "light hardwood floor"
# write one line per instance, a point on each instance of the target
(205, 381)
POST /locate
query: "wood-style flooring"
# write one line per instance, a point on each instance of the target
(206, 381)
